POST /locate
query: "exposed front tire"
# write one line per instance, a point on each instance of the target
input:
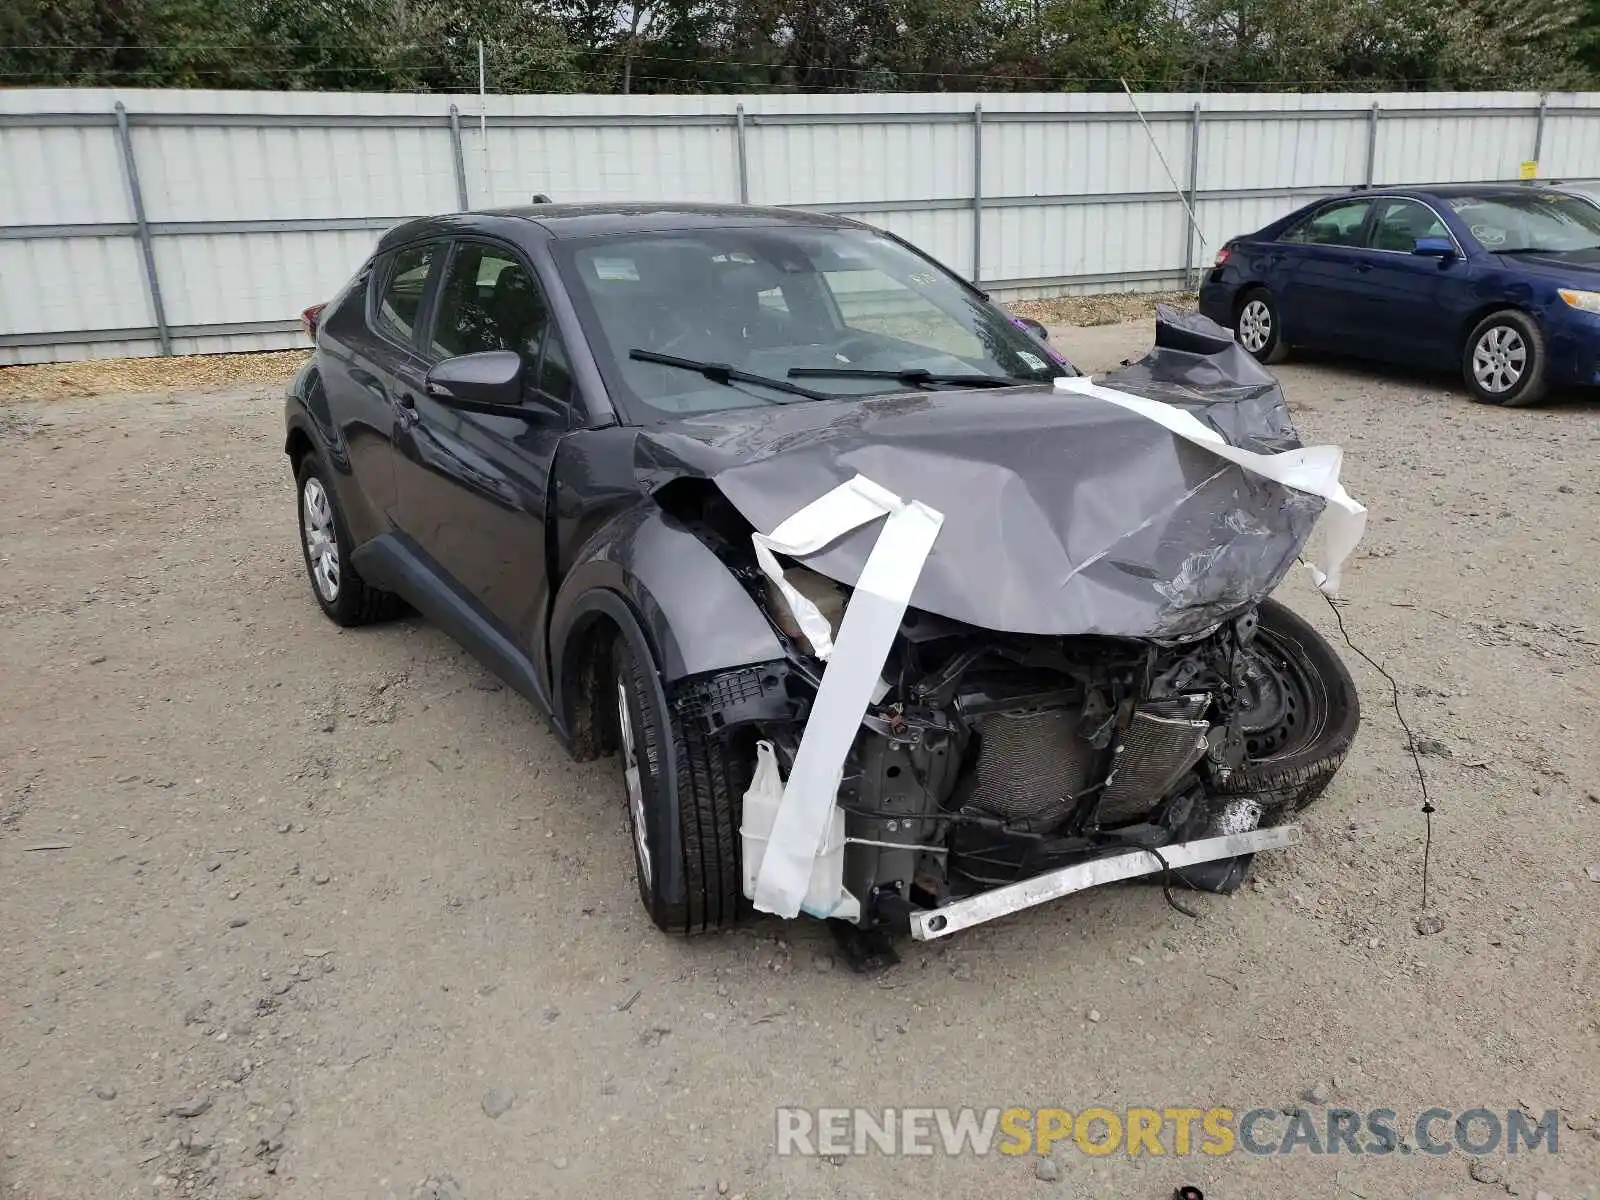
(1257, 327)
(1504, 360)
(1300, 712)
(686, 855)
(340, 592)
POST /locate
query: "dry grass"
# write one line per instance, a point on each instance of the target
(1107, 308)
(109, 376)
(106, 376)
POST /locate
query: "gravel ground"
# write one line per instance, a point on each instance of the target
(292, 911)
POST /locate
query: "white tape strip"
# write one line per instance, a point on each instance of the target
(1312, 469)
(826, 519)
(852, 676)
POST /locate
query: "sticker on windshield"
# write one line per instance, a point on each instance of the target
(616, 269)
(1033, 360)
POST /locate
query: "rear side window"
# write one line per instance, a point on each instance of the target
(1337, 224)
(400, 302)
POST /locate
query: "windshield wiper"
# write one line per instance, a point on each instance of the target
(911, 376)
(727, 374)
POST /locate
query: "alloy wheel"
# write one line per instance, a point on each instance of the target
(1255, 326)
(1499, 359)
(635, 785)
(322, 544)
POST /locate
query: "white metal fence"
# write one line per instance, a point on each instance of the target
(147, 222)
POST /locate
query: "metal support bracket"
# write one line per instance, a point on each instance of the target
(977, 193)
(1052, 885)
(739, 147)
(151, 279)
(459, 159)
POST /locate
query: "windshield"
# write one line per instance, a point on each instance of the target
(1536, 221)
(843, 312)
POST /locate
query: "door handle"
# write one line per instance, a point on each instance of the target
(1363, 268)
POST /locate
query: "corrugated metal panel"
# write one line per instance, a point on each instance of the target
(70, 284)
(903, 162)
(1082, 239)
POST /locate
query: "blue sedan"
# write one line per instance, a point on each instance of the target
(1500, 282)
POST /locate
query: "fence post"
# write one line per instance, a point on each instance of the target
(1194, 195)
(458, 158)
(1538, 130)
(152, 282)
(744, 166)
(1372, 141)
(977, 192)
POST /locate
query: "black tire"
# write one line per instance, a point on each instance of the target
(1294, 748)
(711, 781)
(353, 601)
(1258, 303)
(1518, 334)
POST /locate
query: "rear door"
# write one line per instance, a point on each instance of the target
(473, 488)
(370, 364)
(1410, 307)
(1312, 274)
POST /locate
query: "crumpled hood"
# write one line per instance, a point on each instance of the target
(1063, 514)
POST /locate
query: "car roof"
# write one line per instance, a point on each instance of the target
(562, 221)
(1452, 191)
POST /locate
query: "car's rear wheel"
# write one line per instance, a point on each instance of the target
(341, 593)
(1257, 327)
(687, 860)
(1504, 360)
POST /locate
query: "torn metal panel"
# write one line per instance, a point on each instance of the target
(1062, 516)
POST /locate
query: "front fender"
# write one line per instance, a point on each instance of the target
(695, 615)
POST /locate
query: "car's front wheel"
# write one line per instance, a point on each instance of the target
(686, 854)
(1257, 327)
(1504, 360)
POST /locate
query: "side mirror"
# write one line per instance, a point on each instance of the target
(1434, 247)
(490, 381)
(1033, 327)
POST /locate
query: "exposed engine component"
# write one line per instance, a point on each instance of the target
(1151, 756)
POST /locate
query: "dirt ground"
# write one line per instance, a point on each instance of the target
(328, 890)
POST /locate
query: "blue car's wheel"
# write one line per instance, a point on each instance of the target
(1504, 360)
(1257, 328)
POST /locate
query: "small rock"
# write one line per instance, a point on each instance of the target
(285, 828)
(320, 877)
(1565, 489)
(722, 1187)
(497, 1101)
(239, 1071)
(1427, 926)
(192, 1107)
(214, 864)
(1434, 747)
(822, 962)
(551, 1012)
(1483, 1171)
(1094, 1016)
(238, 922)
(559, 1162)
(1136, 960)
(1317, 1093)
(438, 1187)
(105, 1091)
(1046, 1170)
(487, 685)
(96, 659)
(1372, 943)
(1593, 872)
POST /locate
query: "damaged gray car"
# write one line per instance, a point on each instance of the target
(883, 622)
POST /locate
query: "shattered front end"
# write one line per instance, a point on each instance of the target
(1028, 645)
